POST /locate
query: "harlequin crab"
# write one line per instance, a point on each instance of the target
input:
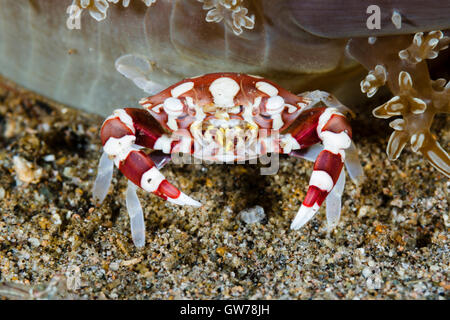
(226, 117)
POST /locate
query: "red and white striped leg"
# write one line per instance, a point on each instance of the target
(335, 133)
(123, 135)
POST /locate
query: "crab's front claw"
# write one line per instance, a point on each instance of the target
(327, 168)
(142, 171)
(335, 133)
(120, 133)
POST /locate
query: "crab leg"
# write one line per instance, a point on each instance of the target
(123, 135)
(332, 129)
(334, 199)
(136, 215)
(103, 179)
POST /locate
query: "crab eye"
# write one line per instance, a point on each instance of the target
(173, 106)
(274, 105)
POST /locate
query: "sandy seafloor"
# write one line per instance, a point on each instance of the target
(391, 242)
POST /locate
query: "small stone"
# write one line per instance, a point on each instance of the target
(397, 203)
(252, 215)
(34, 242)
(114, 266)
(221, 251)
(366, 272)
(363, 211)
(56, 219)
(131, 262)
(25, 170)
(49, 158)
(73, 277)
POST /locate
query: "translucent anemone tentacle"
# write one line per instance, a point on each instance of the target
(437, 156)
(138, 68)
(103, 179)
(334, 202)
(353, 165)
(136, 215)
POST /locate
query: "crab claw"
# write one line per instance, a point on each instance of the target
(335, 133)
(334, 199)
(123, 135)
(304, 214)
(142, 171)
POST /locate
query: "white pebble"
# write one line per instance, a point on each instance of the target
(56, 219)
(34, 242)
(366, 272)
(114, 266)
(252, 215)
(49, 158)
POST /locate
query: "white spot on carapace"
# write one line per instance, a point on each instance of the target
(274, 105)
(182, 88)
(371, 40)
(224, 90)
(151, 180)
(173, 106)
(267, 88)
(322, 180)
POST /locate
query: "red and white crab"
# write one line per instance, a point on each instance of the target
(227, 117)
